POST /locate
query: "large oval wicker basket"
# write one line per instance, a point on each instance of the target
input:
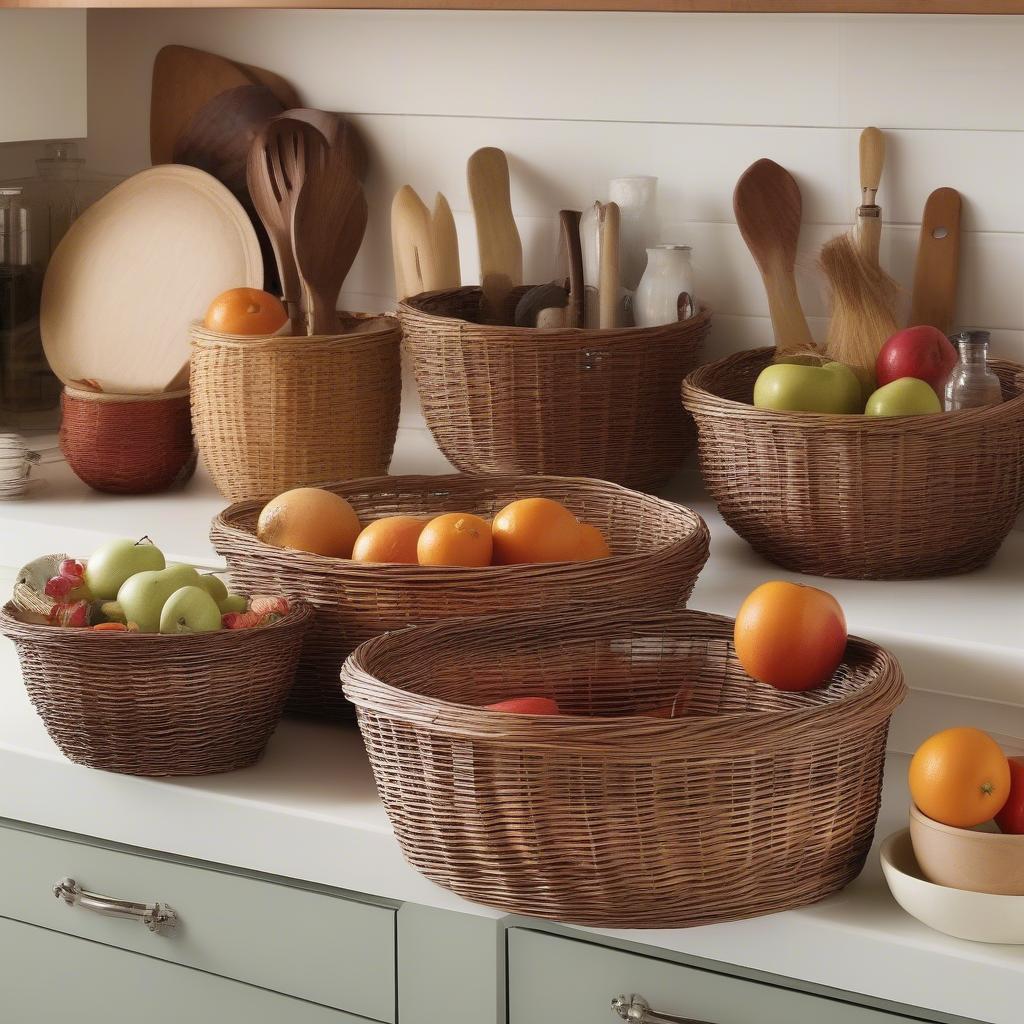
(659, 549)
(147, 704)
(754, 801)
(274, 413)
(591, 403)
(865, 497)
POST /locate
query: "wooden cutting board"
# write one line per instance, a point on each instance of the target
(135, 270)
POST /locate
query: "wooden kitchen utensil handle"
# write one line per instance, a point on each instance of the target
(788, 321)
(608, 281)
(938, 261)
(412, 241)
(447, 272)
(569, 223)
(869, 215)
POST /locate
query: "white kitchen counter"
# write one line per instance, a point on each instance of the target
(309, 809)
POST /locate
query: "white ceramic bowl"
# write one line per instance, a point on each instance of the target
(978, 916)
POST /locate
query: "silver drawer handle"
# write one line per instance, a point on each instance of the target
(637, 1010)
(155, 916)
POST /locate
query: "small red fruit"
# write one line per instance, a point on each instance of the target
(923, 352)
(58, 587)
(1011, 818)
(527, 706)
(69, 567)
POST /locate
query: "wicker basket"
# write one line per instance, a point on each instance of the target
(274, 413)
(754, 801)
(659, 550)
(601, 404)
(146, 704)
(861, 497)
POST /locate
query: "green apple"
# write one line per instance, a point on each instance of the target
(142, 596)
(190, 610)
(906, 396)
(214, 586)
(234, 603)
(793, 387)
(112, 563)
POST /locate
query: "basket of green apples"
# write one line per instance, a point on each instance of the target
(145, 668)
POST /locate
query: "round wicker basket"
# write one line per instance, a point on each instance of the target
(659, 549)
(864, 497)
(147, 704)
(754, 801)
(501, 399)
(274, 413)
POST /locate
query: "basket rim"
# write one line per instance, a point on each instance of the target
(700, 400)
(862, 710)
(699, 535)
(204, 337)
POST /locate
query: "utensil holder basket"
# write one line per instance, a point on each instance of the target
(594, 403)
(861, 497)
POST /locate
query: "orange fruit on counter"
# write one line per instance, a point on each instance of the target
(790, 636)
(592, 544)
(960, 777)
(389, 540)
(310, 519)
(535, 530)
(245, 311)
(456, 538)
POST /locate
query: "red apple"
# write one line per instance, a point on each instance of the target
(1011, 818)
(527, 706)
(922, 352)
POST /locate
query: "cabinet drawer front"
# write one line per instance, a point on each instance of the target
(50, 978)
(552, 978)
(315, 945)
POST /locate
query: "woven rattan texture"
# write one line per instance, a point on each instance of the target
(756, 801)
(601, 404)
(274, 413)
(659, 548)
(863, 497)
(132, 447)
(146, 704)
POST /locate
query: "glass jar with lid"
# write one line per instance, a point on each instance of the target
(972, 383)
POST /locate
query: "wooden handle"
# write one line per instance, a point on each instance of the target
(501, 251)
(869, 232)
(412, 244)
(791, 331)
(569, 222)
(608, 280)
(446, 271)
(872, 157)
(938, 262)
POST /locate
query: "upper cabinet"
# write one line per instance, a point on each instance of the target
(42, 75)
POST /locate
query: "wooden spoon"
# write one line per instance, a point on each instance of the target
(569, 226)
(608, 274)
(938, 262)
(768, 209)
(501, 251)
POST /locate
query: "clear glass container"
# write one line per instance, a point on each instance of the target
(972, 385)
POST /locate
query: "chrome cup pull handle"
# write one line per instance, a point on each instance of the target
(156, 917)
(637, 1010)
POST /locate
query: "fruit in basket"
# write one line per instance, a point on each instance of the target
(526, 706)
(923, 352)
(592, 544)
(245, 311)
(75, 613)
(114, 562)
(214, 586)
(1011, 818)
(142, 597)
(233, 603)
(190, 610)
(535, 530)
(392, 539)
(960, 777)
(794, 387)
(790, 636)
(310, 519)
(456, 538)
(907, 396)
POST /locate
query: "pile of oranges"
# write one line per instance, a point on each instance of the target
(527, 531)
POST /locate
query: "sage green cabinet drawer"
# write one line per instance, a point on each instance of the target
(50, 978)
(316, 945)
(551, 978)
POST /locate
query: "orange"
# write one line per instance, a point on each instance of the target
(960, 777)
(245, 311)
(389, 540)
(535, 530)
(790, 636)
(592, 544)
(456, 538)
(310, 519)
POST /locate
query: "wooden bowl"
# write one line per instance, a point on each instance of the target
(965, 858)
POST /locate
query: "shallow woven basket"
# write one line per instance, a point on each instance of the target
(274, 413)
(146, 704)
(755, 801)
(659, 549)
(501, 399)
(865, 497)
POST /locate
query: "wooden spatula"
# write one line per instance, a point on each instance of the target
(869, 214)
(328, 224)
(569, 243)
(768, 208)
(447, 270)
(608, 274)
(340, 134)
(412, 243)
(938, 262)
(501, 251)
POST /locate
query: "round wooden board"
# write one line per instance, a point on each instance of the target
(135, 270)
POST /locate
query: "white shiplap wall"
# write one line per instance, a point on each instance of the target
(577, 98)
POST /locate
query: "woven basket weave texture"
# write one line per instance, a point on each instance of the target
(865, 497)
(756, 801)
(601, 404)
(660, 548)
(147, 704)
(270, 414)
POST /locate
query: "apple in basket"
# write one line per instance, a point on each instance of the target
(923, 352)
(112, 563)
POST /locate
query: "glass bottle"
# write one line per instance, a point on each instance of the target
(637, 199)
(972, 384)
(666, 292)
